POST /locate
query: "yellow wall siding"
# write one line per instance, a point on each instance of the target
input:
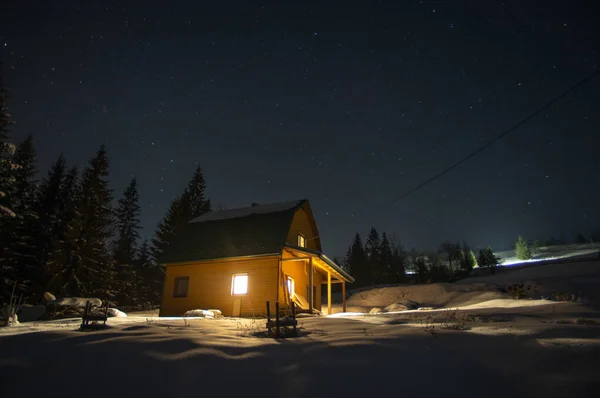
(301, 224)
(210, 286)
(299, 271)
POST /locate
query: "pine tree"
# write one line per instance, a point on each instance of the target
(191, 204)
(7, 150)
(151, 276)
(61, 255)
(487, 259)
(467, 258)
(356, 263)
(128, 226)
(19, 232)
(522, 249)
(373, 252)
(95, 208)
(194, 198)
(386, 260)
(48, 206)
(87, 267)
(173, 221)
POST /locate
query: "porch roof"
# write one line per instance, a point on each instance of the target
(327, 263)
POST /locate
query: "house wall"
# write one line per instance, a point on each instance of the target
(299, 271)
(301, 223)
(210, 286)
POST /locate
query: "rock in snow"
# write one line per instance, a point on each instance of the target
(76, 302)
(203, 313)
(115, 313)
(403, 305)
(49, 296)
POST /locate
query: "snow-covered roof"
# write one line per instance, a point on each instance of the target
(246, 211)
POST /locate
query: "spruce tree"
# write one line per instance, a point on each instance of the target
(95, 209)
(18, 232)
(48, 206)
(487, 259)
(7, 271)
(87, 268)
(151, 277)
(173, 221)
(127, 220)
(356, 262)
(386, 260)
(7, 150)
(467, 258)
(194, 198)
(522, 249)
(60, 258)
(373, 252)
(191, 204)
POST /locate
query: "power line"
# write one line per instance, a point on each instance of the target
(492, 141)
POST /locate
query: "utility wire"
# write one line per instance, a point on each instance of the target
(492, 141)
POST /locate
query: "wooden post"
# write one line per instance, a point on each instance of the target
(268, 312)
(328, 293)
(268, 319)
(294, 317)
(343, 296)
(277, 318)
(311, 299)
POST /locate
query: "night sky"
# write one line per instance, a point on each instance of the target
(348, 104)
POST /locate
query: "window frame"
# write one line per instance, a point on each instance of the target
(233, 284)
(301, 236)
(178, 280)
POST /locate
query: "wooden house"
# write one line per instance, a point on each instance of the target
(236, 260)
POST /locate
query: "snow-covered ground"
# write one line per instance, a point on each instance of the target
(493, 347)
(548, 253)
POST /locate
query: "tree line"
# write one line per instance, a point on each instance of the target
(66, 234)
(382, 261)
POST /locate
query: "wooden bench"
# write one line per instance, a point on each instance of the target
(88, 317)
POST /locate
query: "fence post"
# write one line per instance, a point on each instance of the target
(277, 318)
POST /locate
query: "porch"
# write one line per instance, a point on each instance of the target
(302, 267)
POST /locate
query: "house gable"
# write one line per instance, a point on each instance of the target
(304, 224)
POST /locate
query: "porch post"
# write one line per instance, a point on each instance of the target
(311, 299)
(343, 296)
(328, 293)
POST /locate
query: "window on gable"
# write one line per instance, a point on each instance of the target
(181, 286)
(290, 286)
(301, 240)
(239, 284)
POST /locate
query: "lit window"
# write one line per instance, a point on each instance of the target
(181, 286)
(239, 284)
(301, 240)
(290, 286)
